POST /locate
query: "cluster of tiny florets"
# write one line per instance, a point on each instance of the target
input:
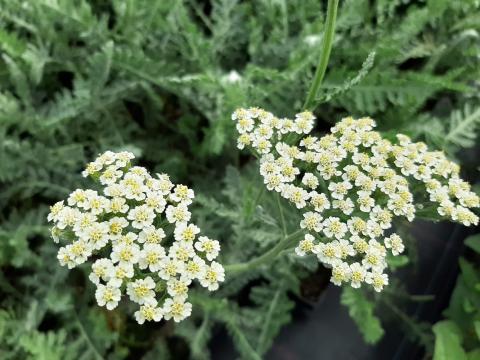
(349, 185)
(138, 230)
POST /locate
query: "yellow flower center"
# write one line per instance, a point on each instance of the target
(152, 258)
(141, 291)
(108, 295)
(211, 276)
(188, 234)
(126, 254)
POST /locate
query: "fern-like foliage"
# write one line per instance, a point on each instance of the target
(361, 311)
(78, 77)
(463, 126)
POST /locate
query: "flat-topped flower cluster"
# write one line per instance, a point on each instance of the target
(349, 185)
(138, 230)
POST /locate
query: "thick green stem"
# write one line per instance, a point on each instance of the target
(326, 48)
(266, 257)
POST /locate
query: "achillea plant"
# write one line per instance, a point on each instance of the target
(138, 230)
(350, 185)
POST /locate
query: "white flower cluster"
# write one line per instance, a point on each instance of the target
(350, 184)
(136, 249)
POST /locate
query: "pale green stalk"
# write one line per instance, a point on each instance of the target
(266, 257)
(325, 55)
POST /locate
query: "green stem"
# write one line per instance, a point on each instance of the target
(410, 322)
(259, 196)
(266, 257)
(282, 217)
(256, 201)
(86, 337)
(326, 48)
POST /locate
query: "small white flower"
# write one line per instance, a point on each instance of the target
(194, 268)
(312, 221)
(346, 249)
(55, 232)
(155, 201)
(110, 175)
(263, 131)
(178, 288)
(365, 183)
(339, 190)
(357, 275)
(148, 312)
(345, 205)
(365, 202)
(182, 194)
(377, 280)
(181, 251)
(80, 251)
(395, 243)
(84, 222)
(77, 198)
(123, 158)
(96, 204)
(310, 181)
(374, 230)
(114, 191)
(67, 217)
(133, 187)
(101, 270)
(296, 195)
(177, 309)
(309, 142)
(178, 214)
(319, 201)
(97, 235)
(273, 182)
(373, 259)
(184, 232)
(210, 247)
(141, 291)
(55, 211)
(120, 273)
(170, 268)
(108, 295)
(304, 122)
(261, 144)
(151, 257)
(288, 171)
(334, 228)
(244, 140)
(65, 257)
(141, 216)
(127, 239)
(92, 168)
(164, 185)
(212, 276)
(327, 253)
(151, 235)
(340, 273)
(356, 225)
(382, 216)
(125, 253)
(116, 226)
(306, 246)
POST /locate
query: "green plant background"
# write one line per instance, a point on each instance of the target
(78, 77)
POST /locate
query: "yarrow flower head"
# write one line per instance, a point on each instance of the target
(350, 185)
(138, 229)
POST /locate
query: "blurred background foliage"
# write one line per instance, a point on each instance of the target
(161, 78)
